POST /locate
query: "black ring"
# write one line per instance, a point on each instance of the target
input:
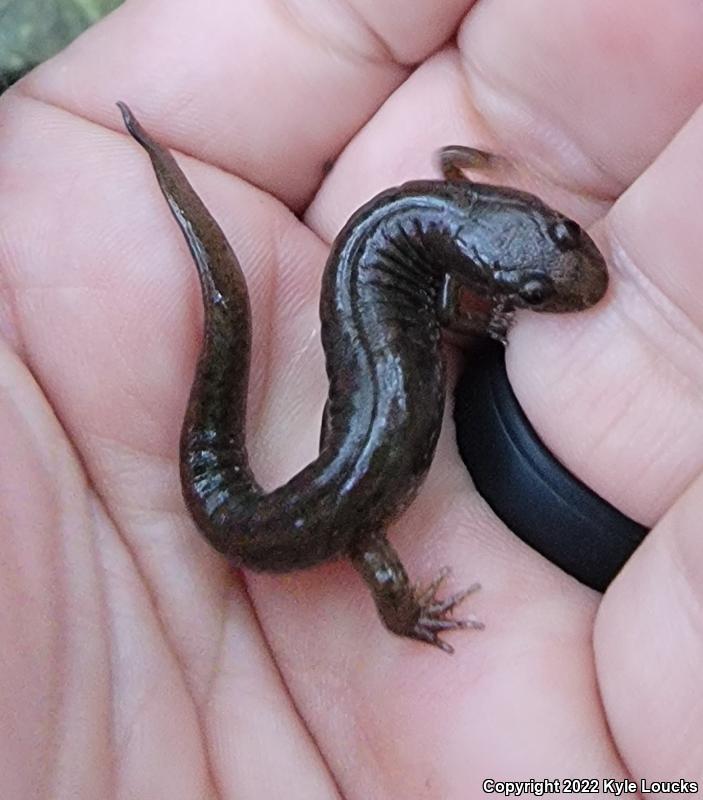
(535, 495)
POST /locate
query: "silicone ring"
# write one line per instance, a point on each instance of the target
(524, 484)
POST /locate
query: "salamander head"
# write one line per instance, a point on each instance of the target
(532, 256)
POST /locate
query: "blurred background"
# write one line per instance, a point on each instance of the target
(33, 30)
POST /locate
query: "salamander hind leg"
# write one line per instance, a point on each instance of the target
(456, 158)
(405, 609)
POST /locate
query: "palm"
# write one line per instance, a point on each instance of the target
(136, 663)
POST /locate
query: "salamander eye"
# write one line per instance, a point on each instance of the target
(566, 234)
(535, 292)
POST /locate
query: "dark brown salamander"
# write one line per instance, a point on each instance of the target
(393, 279)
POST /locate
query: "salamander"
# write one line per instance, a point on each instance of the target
(398, 273)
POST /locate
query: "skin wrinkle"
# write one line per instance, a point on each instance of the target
(60, 647)
(473, 72)
(125, 743)
(301, 22)
(693, 607)
(110, 722)
(61, 644)
(101, 439)
(654, 355)
(15, 339)
(473, 111)
(159, 621)
(105, 615)
(169, 644)
(270, 337)
(207, 694)
(8, 305)
(65, 767)
(683, 563)
(282, 686)
(470, 113)
(170, 647)
(656, 299)
(20, 90)
(287, 10)
(213, 673)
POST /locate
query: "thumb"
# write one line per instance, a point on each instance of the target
(649, 648)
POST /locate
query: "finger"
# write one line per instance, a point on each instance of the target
(649, 648)
(587, 93)
(72, 604)
(389, 150)
(68, 600)
(49, 593)
(630, 389)
(269, 91)
(624, 376)
(545, 84)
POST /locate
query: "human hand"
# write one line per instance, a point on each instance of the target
(137, 663)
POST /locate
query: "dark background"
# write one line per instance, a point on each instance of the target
(33, 30)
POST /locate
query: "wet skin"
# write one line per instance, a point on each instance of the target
(395, 276)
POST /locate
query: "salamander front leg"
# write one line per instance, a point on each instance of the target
(485, 318)
(500, 322)
(455, 317)
(405, 609)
